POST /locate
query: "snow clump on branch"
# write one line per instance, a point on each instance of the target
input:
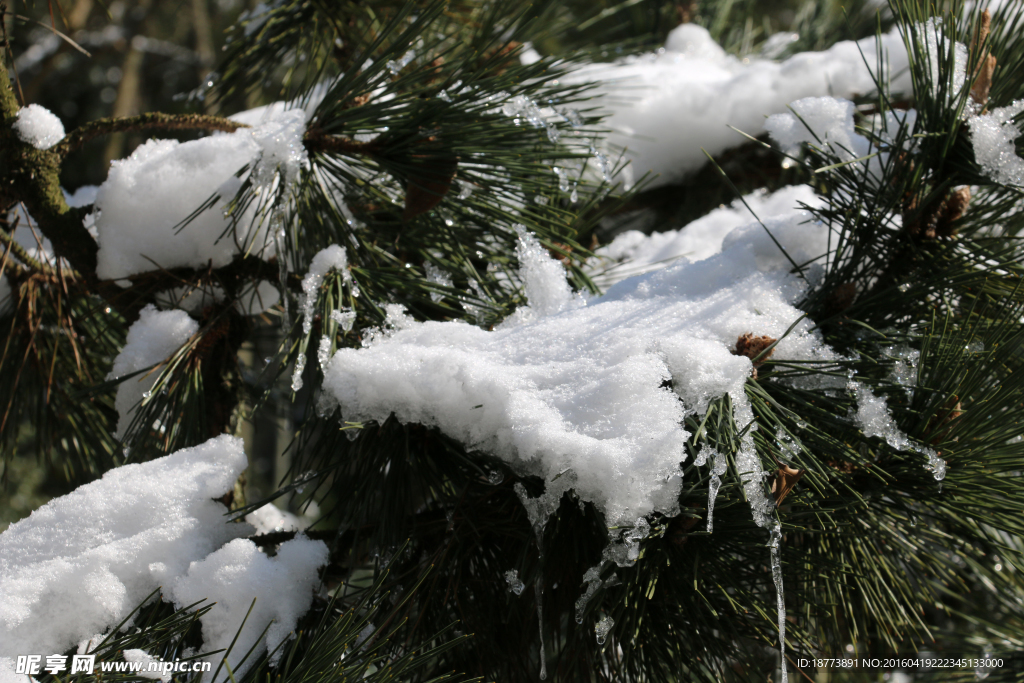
(143, 206)
(578, 394)
(38, 126)
(81, 563)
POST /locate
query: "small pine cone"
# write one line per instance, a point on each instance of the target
(750, 346)
(952, 209)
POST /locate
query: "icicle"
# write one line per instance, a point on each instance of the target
(282, 268)
(773, 543)
(345, 318)
(592, 578)
(718, 467)
(538, 589)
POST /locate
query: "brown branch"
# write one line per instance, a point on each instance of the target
(318, 141)
(150, 121)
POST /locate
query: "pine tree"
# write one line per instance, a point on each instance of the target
(854, 493)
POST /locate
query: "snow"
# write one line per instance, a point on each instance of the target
(325, 260)
(992, 136)
(81, 563)
(7, 672)
(874, 419)
(270, 518)
(822, 121)
(667, 106)
(151, 340)
(38, 126)
(145, 659)
(576, 396)
(140, 207)
(633, 252)
(234, 575)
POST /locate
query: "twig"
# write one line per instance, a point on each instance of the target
(62, 36)
(151, 121)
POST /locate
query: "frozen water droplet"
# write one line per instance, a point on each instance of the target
(602, 627)
(300, 365)
(495, 477)
(574, 197)
(976, 346)
(514, 584)
(905, 287)
(146, 395)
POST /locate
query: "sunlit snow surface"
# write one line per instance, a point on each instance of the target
(142, 207)
(38, 126)
(668, 107)
(81, 563)
(580, 388)
(84, 561)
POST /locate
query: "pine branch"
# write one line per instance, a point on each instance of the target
(142, 122)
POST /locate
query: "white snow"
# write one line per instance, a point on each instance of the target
(270, 518)
(992, 136)
(151, 340)
(874, 419)
(236, 574)
(79, 564)
(633, 252)
(146, 196)
(576, 396)
(38, 126)
(144, 658)
(665, 107)
(325, 260)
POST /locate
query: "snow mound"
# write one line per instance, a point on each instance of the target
(666, 106)
(633, 252)
(236, 574)
(581, 395)
(146, 197)
(79, 564)
(151, 339)
(39, 127)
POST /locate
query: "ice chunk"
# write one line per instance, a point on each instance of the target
(992, 136)
(234, 576)
(151, 339)
(79, 564)
(281, 148)
(602, 627)
(515, 585)
(38, 126)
